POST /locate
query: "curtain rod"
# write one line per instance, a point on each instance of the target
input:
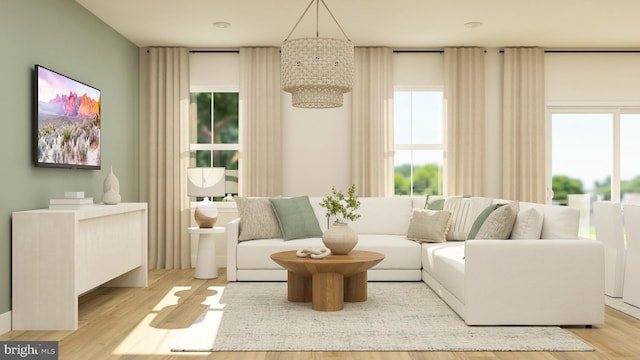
(442, 51)
(546, 51)
(214, 51)
(418, 51)
(592, 51)
(587, 51)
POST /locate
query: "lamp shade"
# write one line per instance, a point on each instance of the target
(317, 71)
(206, 181)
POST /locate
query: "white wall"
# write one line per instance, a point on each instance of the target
(316, 148)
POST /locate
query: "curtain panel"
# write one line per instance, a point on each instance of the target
(524, 151)
(261, 122)
(168, 205)
(372, 122)
(464, 96)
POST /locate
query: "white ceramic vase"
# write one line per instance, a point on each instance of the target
(111, 188)
(340, 238)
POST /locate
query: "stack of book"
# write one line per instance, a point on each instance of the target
(70, 203)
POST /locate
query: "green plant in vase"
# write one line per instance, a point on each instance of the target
(339, 237)
(342, 208)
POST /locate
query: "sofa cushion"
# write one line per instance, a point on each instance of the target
(256, 254)
(528, 224)
(399, 253)
(464, 212)
(388, 215)
(429, 225)
(296, 218)
(559, 222)
(497, 224)
(257, 219)
(445, 262)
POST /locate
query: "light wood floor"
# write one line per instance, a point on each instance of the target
(143, 323)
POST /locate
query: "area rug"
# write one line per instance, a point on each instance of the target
(622, 306)
(398, 316)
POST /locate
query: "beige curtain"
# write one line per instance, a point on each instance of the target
(261, 121)
(524, 125)
(372, 122)
(168, 132)
(464, 97)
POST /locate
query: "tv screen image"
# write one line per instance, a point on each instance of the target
(67, 122)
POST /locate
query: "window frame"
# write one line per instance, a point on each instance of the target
(193, 121)
(420, 146)
(616, 110)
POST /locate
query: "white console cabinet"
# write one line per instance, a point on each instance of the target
(58, 255)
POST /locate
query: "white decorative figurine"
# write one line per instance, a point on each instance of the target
(111, 188)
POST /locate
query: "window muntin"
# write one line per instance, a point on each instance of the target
(629, 153)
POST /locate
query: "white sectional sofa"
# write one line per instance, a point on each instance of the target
(553, 278)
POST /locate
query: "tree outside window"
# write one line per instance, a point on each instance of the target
(216, 133)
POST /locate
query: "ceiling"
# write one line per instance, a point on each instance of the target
(401, 24)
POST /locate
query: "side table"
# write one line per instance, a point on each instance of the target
(206, 267)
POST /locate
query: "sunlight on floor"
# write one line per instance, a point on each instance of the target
(147, 339)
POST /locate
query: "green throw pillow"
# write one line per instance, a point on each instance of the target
(296, 217)
(436, 202)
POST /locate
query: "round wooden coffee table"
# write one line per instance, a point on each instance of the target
(327, 282)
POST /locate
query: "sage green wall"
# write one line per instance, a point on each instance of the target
(65, 37)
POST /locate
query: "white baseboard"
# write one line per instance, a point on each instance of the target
(5, 322)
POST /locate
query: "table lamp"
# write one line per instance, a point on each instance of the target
(205, 182)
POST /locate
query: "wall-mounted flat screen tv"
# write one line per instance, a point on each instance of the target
(67, 122)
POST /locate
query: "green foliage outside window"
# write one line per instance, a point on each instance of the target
(426, 180)
(217, 123)
(626, 186)
(565, 185)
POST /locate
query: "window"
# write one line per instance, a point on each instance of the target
(418, 141)
(594, 153)
(214, 138)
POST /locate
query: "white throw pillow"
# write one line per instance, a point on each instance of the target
(464, 212)
(257, 219)
(429, 225)
(528, 225)
(560, 222)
